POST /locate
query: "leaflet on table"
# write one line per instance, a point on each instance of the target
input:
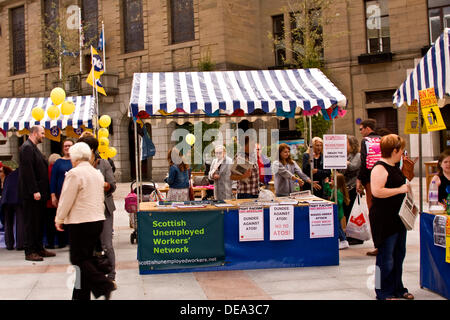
(281, 222)
(251, 224)
(439, 223)
(321, 220)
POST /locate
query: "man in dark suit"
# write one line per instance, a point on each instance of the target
(34, 192)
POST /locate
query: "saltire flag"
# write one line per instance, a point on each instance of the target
(100, 42)
(96, 71)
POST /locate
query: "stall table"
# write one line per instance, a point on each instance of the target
(222, 233)
(434, 271)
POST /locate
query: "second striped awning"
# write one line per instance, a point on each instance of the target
(225, 92)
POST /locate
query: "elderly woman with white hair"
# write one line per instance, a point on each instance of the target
(220, 173)
(81, 208)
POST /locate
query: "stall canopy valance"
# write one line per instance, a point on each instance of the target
(433, 71)
(16, 113)
(280, 92)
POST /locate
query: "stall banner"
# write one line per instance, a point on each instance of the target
(54, 134)
(281, 222)
(335, 151)
(447, 241)
(251, 224)
(412, 120)
(180, 239)
(430, 110)
(321, 223)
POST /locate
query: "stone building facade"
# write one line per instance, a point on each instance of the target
(171, 35)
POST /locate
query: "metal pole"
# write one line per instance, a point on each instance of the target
(311, 159)
(420, 158)
(137, 162)
(334, 170)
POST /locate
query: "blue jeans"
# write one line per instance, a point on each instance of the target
(389, 267)
(341, 233)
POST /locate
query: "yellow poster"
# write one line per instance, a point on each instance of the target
(430, 110)
(412, 120)
(447, 241)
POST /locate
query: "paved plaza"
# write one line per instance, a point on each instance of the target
(352, 279)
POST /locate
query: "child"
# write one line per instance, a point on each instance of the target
(342, 197)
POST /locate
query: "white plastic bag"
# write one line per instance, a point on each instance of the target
(266, 195)
(358, 225)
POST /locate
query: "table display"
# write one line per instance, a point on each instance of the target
(219, 237)
(434, 270)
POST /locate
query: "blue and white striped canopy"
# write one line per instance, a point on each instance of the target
(225, 92)
(433, 71)
(16, 113)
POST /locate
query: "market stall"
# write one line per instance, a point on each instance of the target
(429, 81)
(16, 116)
(231, 96)
(188, 238)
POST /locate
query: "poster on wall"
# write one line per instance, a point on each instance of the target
(335, 151)
(281, 222)
(251, 224)
(321, 222)
(439, 223)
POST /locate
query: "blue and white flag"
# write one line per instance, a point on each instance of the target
(100, 42)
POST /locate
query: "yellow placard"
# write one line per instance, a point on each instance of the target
(412, 120)
(447, 241)
(430, 110)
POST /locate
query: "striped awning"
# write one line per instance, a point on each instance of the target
(433, 71)
(16, 113)
(281, 92)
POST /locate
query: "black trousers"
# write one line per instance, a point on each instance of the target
(34, 213)
(13, 215)
(50, 230)
(82, 240)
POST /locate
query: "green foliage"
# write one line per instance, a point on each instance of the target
(205, 62)
(319, 125)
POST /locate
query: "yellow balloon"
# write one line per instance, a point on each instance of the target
(67, 107)
(104, 121)
(190, 139)
(57, 95)
(103, 133)
(111, 153)
(103, 155)
(103, 141)
(102, 148)
(53, 112)
(38, 113)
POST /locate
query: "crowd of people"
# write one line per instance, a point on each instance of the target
(65, 200)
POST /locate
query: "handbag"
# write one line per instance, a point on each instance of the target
(358, 225)
(408, 167)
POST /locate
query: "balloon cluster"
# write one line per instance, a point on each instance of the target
(103, 142)
(58, 97)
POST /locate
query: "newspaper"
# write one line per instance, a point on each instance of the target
(241, 166)
(408, 211)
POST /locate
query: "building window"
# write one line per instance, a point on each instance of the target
(51, 38)
(133, 26)
(438, 17)
(377, 26)
(89, 18)
(278, 37)
(18, 40)
(182, 20)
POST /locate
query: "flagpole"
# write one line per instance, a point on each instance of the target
(81, 40)
(60, 62)
(103, 47)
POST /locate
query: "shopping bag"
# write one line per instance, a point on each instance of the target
(358, 225)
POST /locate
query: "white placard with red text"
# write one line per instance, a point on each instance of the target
(282, 222)
(321, 220)
(251, 224)
(335, 151)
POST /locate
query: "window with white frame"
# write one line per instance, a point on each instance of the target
(377, 26)
(438, 17)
